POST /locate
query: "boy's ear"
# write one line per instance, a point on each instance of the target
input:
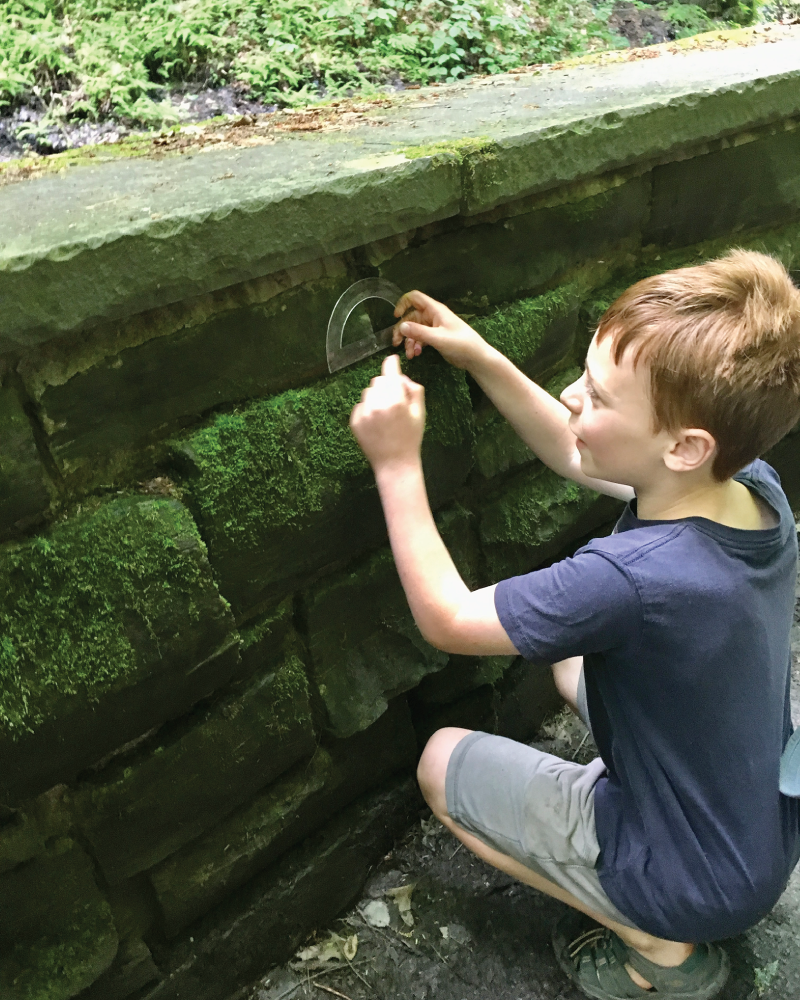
(692, 448)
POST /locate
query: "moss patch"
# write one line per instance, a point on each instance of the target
(459, 148)
(535, 518)
(534, 509)
(517, 329)
(280, 459)
(67, 599)
(498, 447)
(57, 934)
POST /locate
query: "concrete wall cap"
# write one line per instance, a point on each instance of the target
(110, 239)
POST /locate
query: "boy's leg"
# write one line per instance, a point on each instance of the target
(432, 774)
(567, 675)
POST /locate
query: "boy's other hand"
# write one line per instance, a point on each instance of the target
(427, 322)
(389, 421)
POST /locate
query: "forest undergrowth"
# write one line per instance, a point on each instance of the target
(123, 60)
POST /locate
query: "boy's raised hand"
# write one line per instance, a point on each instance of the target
(389, 421)
(427, 322)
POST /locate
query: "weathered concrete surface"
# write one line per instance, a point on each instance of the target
(112, 623)
(148, 808)
(56, 931)
(198, 877)
(267, 919)
(165, 227)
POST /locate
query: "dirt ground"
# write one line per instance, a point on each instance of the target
(460, 930)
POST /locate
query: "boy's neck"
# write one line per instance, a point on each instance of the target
(730, 503)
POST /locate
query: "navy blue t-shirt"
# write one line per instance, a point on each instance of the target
(684, 627)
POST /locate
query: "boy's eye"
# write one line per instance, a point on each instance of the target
(590, 391)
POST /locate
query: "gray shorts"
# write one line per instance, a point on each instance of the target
(533, 807)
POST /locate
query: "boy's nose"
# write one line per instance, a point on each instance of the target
(571, 397)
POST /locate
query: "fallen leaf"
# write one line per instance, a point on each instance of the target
(350, 947)
(333, 949)
(402, 897)
(376, 913)
(445, 932)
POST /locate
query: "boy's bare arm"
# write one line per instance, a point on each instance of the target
(539, 419)
(388, 424)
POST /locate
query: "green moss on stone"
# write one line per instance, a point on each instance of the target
(498, 447)
(290, 691)
(57, 933)
(277, 460)
(65, 597)
(533, 510)
(534, 518)
(517, 329)
(276, 621)
(460, 148)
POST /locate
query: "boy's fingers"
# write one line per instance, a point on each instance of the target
(413, 299)
(391, 366)
(420, 333)
(413, 389)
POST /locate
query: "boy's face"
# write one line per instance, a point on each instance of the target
(612, 419)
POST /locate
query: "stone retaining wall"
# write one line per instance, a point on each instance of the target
(212, 694)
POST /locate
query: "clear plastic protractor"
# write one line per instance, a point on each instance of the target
(360, 291)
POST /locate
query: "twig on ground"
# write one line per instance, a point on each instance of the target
(318, 975)
(455, 971)
(400, 940)
(330, 989)
(366, 982)
(580, 747)
(456, 851)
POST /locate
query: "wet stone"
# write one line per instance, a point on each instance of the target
(537, 515)
(738, 188)
(24, 485)
(462, 674)
(198, 877)
(266, 920)
(365, 647)
(148, 807)
(112, 624)
(251, 351)
(263, 637)
(56, 931)
(132, 970)
(498, 447)
(487, 263)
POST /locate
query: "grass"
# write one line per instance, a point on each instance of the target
(96, 59)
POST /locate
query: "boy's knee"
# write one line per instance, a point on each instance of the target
(432, 767)
(567, 674)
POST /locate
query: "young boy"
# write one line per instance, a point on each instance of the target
(670, 637)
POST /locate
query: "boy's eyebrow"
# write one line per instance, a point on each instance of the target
(591, 381)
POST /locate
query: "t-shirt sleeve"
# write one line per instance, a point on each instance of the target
(585, 604)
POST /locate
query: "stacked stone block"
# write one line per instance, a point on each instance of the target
(212, 693)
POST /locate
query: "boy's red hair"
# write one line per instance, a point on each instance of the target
(722, 342)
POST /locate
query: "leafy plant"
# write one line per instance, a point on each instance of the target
(686, 18)
(102, 58)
